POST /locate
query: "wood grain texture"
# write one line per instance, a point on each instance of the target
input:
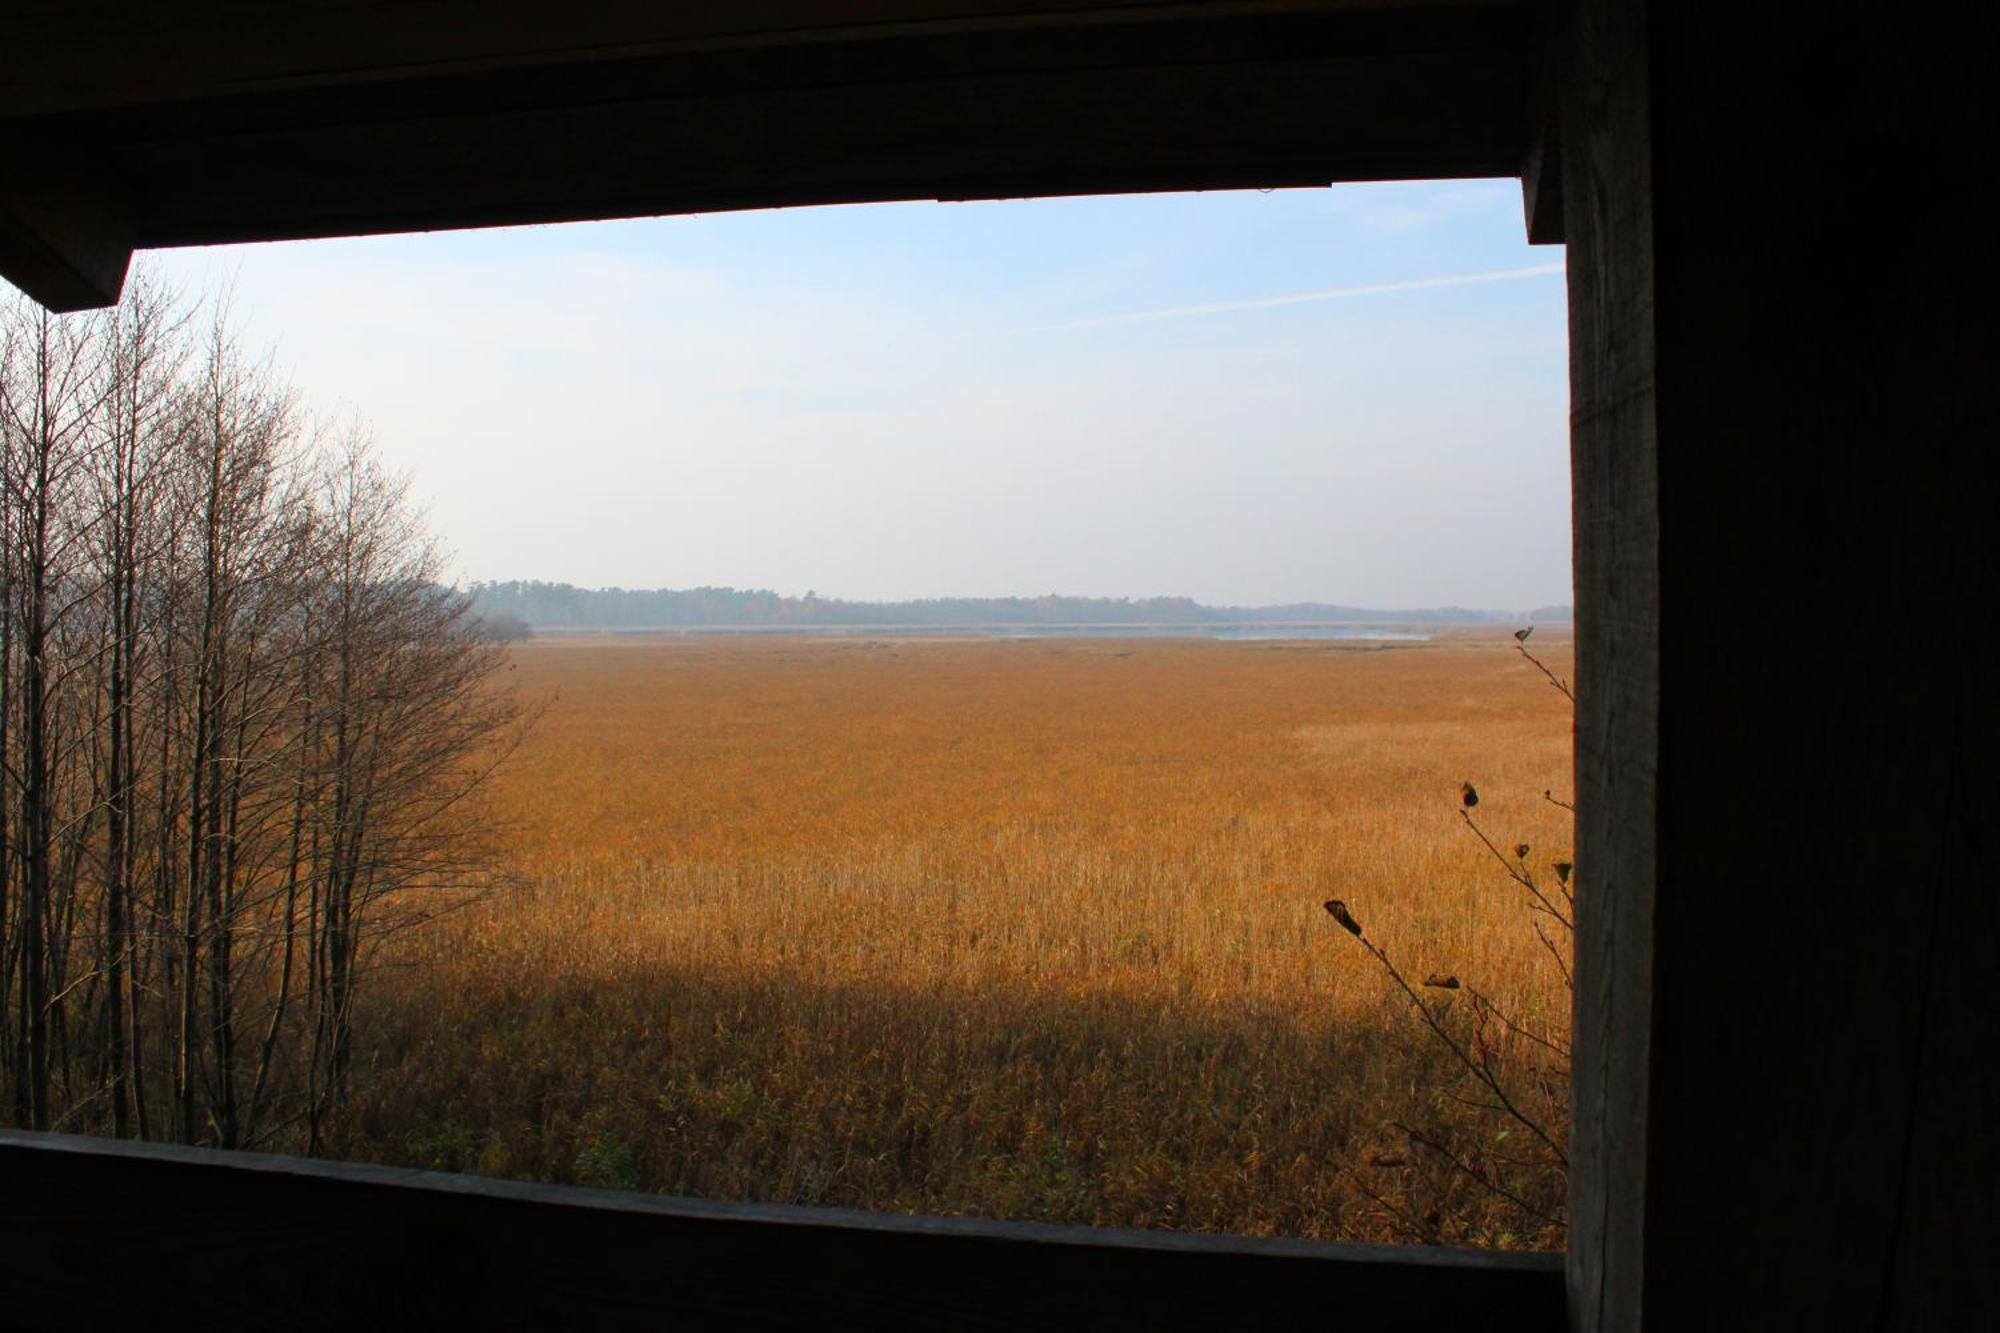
(1277, 121)
(1204, 96)
(243, 1241)
(1542, 160)
(1786, 714)
(1616, 528)
(1823, 1095)
(68, 55)
(66, 232)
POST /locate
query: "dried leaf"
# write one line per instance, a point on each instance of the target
(1338, 911)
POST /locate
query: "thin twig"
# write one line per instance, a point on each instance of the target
(1555, 680)
(1412, 1225)
(1479, 1071)
(1562, 963)
(1480, 1000)
(1515, 871)
(1472, 1172)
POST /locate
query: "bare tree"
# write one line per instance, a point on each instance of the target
(49, 410)
(243, 719)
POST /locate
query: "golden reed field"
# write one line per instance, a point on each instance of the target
(1020, 929)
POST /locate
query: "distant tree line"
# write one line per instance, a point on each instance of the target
(240, 718)
(502, 627)
(563, 606)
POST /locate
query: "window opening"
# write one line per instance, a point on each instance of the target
(905, 707)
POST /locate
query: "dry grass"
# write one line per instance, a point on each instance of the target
(1018, 929)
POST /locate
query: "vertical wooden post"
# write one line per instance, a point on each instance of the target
(1608, 224)
(1783, 306)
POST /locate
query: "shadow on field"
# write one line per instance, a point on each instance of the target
(1089, 1106)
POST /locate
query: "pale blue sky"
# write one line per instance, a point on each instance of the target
(908, 400)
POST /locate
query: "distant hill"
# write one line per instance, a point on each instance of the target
(549, 606)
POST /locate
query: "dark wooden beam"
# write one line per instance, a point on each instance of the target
(1541, 164)
(245, 1241)
(1542, 187)
(1615, 530)
(1278, 120)
(1783, 341)
(66, 234)
(1018, 99)
(79, 55)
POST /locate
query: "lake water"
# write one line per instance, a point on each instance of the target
(1319, 632)
(1405, 633)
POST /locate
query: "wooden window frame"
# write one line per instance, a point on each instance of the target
(1212, 95)
(1711, 164)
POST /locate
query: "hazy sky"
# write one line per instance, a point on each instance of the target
(1352, 395)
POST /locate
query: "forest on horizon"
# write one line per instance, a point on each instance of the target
(544, 605)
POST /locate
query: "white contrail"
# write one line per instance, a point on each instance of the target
(1303, 298)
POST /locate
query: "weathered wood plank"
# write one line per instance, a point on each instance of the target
(66, 234)
(1616, 526)
(71, 55)
(98, 1235)
(1824, 1091)
(1783, 343)
(1205, 96)
(1279, 122)
(1541, 165)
